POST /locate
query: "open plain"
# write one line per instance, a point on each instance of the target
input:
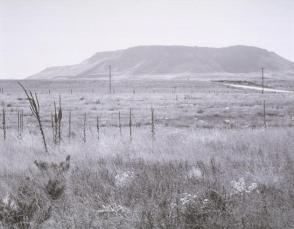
(150, 154)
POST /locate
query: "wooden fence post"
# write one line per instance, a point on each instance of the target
(69, 125)
(130, 124)
(152, 123)
(98, 127)
(4, 123)
(119, 123)
(84, 128)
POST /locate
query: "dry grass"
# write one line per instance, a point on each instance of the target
(225, 177)
(185, 179)
(199, 104)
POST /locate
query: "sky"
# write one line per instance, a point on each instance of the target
(35, 34)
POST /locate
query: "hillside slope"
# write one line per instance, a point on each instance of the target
(171, 60)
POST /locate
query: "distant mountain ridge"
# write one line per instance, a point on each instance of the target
(171, 60)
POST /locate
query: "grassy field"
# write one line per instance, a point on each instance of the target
(197, 104)
(209, 164)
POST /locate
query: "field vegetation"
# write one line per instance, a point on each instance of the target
(210, 156)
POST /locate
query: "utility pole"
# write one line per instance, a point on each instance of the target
(109, 67)
(262, 79)
(264, 114)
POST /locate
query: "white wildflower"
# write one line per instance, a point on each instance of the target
(173, 205)
(8, 201)
(205, 201)
(251, 187)
(227, 121)
(238, 186)
(124, 178)
(113, 209)
(194, 172)
(187, 198)
(241, 187)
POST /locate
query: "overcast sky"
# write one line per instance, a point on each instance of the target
(35, 34)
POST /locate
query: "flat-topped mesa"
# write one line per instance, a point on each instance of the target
(170, 60)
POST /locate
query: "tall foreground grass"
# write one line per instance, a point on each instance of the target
(181, 179)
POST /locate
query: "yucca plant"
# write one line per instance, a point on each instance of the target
(57, 122)
(35, 109)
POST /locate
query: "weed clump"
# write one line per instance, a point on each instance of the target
(32, 203)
